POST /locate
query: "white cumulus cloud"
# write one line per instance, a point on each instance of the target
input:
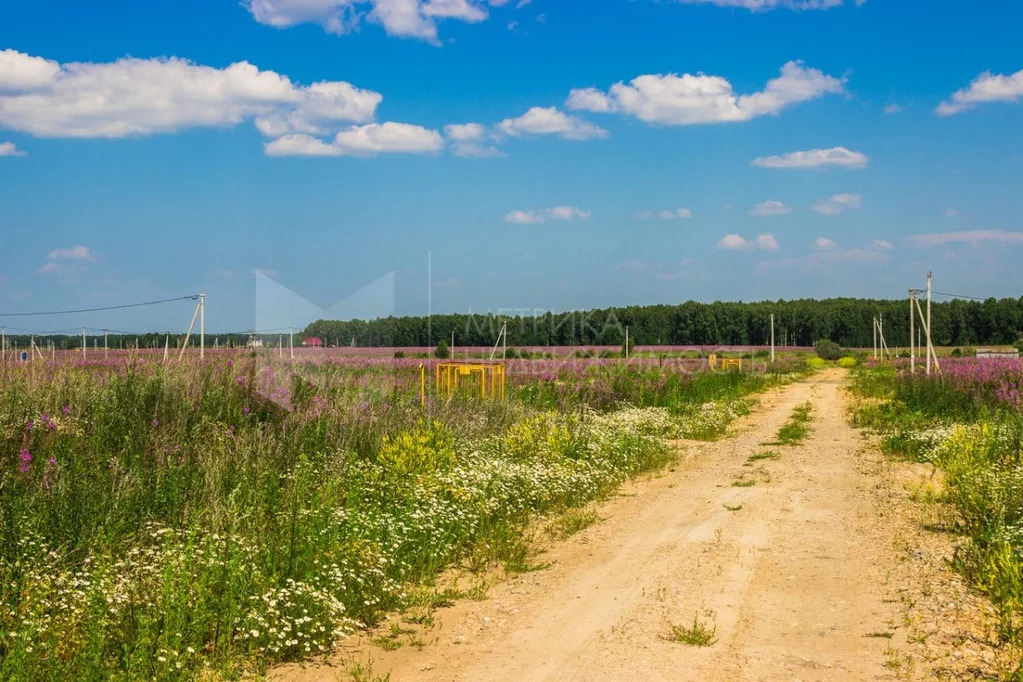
(365, 140)
(671, 99)
(550, 121)
(815, 158)
(972, 237)
(825, 244)
(130, 97)
(987, 87)
(764, 241)
(766, 5)
(71, 253)
(401, 18)
(10, 149)
(772, 207)
(535, 217)
(666, 214)
(837, 203)
(66, 260)
(470, 139)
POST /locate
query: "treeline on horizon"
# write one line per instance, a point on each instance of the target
(846, 321)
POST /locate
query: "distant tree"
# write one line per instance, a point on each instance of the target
(442, 351)
(828, 350)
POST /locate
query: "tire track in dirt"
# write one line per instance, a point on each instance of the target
(794, 581)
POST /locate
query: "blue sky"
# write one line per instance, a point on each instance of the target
(622, 152)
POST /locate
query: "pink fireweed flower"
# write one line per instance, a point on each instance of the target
(65, 410)
(29, 425)
(156, 422)
(246, 410)
(26, 460)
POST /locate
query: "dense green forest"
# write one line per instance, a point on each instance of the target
(846, 321)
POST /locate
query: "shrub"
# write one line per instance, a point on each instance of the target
(510, 354)
(399, 354)
(762, 353)
(608, 353)
(828, 350)
(815, 363)
(442, 351)
(848, 361)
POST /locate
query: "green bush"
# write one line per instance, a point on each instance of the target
(399, 354)
(828, 350)
(442, 351)
(848, 362)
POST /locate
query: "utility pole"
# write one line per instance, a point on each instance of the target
(84, 344)
(105, 345)
(291, 341)
(929, 344)
(626, 343)
(772, 338)
(912, 350)
(202, 326)
(873, 322)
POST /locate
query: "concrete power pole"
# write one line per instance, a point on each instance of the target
(772, 337)
(930, 347)
(912, 349)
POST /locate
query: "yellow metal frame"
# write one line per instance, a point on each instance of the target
(491, 378)
(731, 363)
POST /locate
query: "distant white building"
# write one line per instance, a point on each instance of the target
(253, 342)
(993, 354)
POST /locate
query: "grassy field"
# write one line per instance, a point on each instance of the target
(968, 422)
(170, 521)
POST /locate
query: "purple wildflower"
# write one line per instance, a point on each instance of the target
(26, 460)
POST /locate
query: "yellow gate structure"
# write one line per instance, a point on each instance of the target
(451, 375)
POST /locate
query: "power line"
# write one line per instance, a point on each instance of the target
(193, 297)
(972, 298)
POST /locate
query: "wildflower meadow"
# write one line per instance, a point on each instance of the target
(967, 421)
(171, 520)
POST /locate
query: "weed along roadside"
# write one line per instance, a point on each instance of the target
(964, 429)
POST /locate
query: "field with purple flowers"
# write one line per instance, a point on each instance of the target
(967, 421)
(171, 520)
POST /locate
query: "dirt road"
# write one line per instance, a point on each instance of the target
(795, 581)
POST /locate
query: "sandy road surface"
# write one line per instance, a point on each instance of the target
(794, 581)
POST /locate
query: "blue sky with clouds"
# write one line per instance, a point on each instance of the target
(549, 155)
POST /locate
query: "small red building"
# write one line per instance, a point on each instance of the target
(313, 342)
